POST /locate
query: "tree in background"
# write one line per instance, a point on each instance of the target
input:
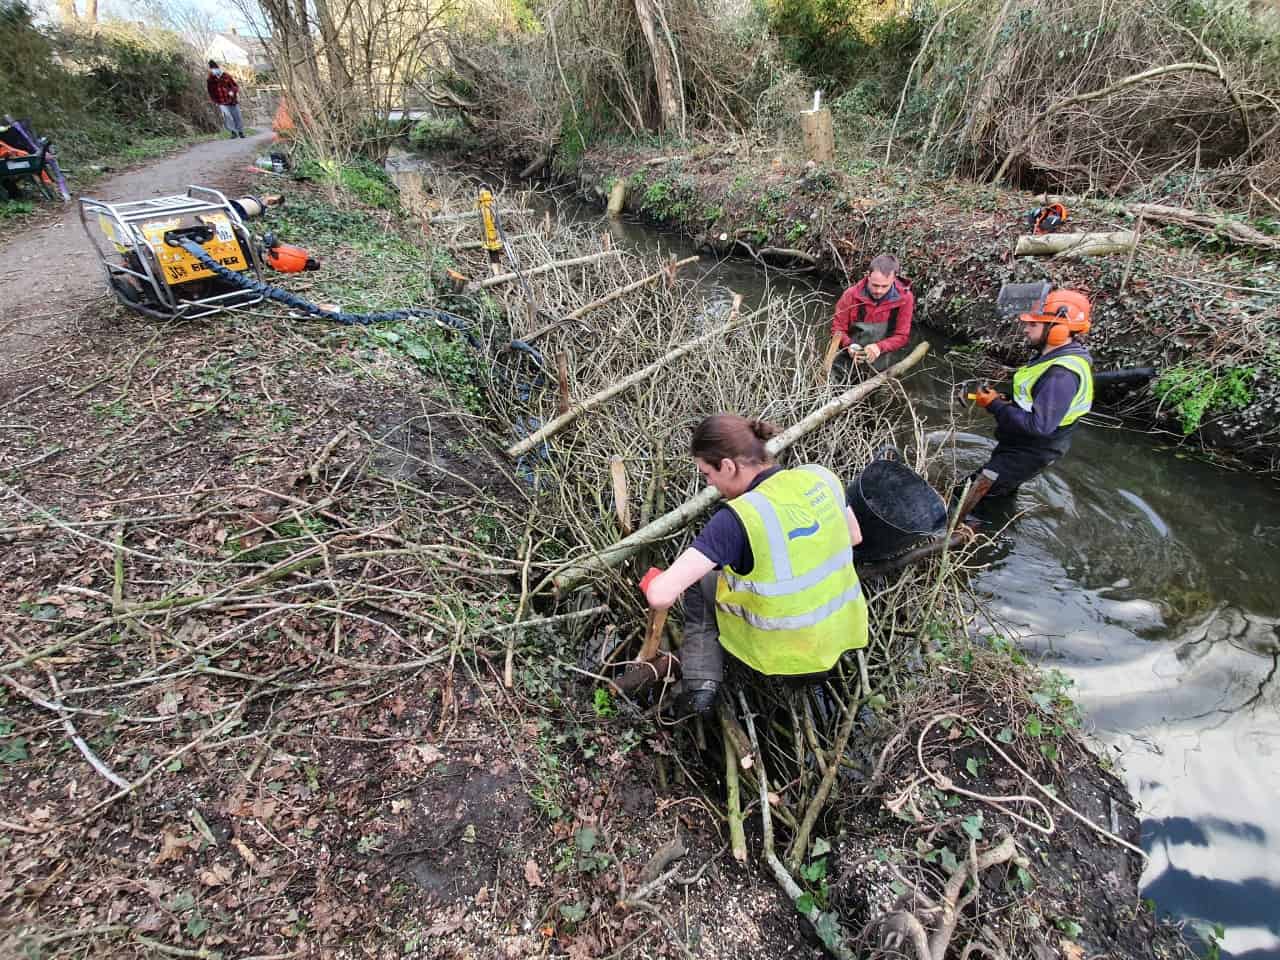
(190, 21)
(348, 66)
(589, 68)
(95, 92)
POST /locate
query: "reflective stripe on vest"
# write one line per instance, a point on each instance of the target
(1024, 380)
(801, 606)
(810, 619)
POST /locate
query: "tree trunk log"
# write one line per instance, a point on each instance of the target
(664, 72)
(1206, 223)
(819, 140)
(339, 75)
(1075, 245)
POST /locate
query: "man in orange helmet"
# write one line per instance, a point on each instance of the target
(1050, 394)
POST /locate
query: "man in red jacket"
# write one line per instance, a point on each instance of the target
(873, 317)
(225, 92)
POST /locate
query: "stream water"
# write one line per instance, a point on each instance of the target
(1148, 577)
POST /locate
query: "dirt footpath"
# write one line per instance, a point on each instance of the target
(50, 270)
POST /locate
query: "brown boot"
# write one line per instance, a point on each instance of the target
(663, 668)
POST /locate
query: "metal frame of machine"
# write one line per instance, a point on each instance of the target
(161, 280)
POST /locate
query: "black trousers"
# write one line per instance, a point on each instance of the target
(701, 656)
(1015, 466)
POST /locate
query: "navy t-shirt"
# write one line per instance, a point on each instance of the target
(724, 539)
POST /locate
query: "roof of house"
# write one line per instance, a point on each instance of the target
(254, 47)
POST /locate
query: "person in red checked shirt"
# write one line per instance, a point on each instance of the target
(225, 92)
(873, 317)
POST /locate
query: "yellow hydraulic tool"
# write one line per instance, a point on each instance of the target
(492, 242)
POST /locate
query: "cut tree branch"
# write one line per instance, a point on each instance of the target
(626, 383)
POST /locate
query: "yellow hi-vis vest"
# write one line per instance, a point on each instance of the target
(1025, 379)
(801, 606)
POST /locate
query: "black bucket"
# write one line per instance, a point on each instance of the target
(895, 507)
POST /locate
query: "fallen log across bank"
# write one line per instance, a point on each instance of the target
(1073, 245)
(1208, 224)
(573, 575)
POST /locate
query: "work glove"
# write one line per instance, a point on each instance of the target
(649, 576)
(985, 396)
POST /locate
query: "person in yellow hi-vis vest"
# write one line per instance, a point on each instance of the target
(770, 578)
(1050, 394)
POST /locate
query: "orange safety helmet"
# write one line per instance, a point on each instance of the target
(290, 259)
(1066, 312)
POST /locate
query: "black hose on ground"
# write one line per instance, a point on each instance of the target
(269, 292)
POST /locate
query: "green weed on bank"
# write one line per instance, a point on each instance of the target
(1192, 391)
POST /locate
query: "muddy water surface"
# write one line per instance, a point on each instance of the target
(1150, 579)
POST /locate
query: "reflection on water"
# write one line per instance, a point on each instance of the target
(1144, 578)
(1151, 581)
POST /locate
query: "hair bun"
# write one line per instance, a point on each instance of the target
(765, 430)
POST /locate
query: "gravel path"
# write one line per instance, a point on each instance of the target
(48, 271)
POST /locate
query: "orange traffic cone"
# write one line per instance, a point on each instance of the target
(282, 124)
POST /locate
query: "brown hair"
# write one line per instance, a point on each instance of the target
(886, 263)
(725, 436)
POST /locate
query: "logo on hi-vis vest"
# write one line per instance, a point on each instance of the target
(804, 522)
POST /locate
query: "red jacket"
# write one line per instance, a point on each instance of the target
(894, 308)
(223, 90)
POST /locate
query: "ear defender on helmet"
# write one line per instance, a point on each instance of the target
(1067, 312)
(1057, 335)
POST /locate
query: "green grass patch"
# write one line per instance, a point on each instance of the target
(15, 209)
(362, 179)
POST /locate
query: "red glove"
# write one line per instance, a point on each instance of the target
(648, 578)
(984, 396)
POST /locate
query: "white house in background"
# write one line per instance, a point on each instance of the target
(235, 49)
